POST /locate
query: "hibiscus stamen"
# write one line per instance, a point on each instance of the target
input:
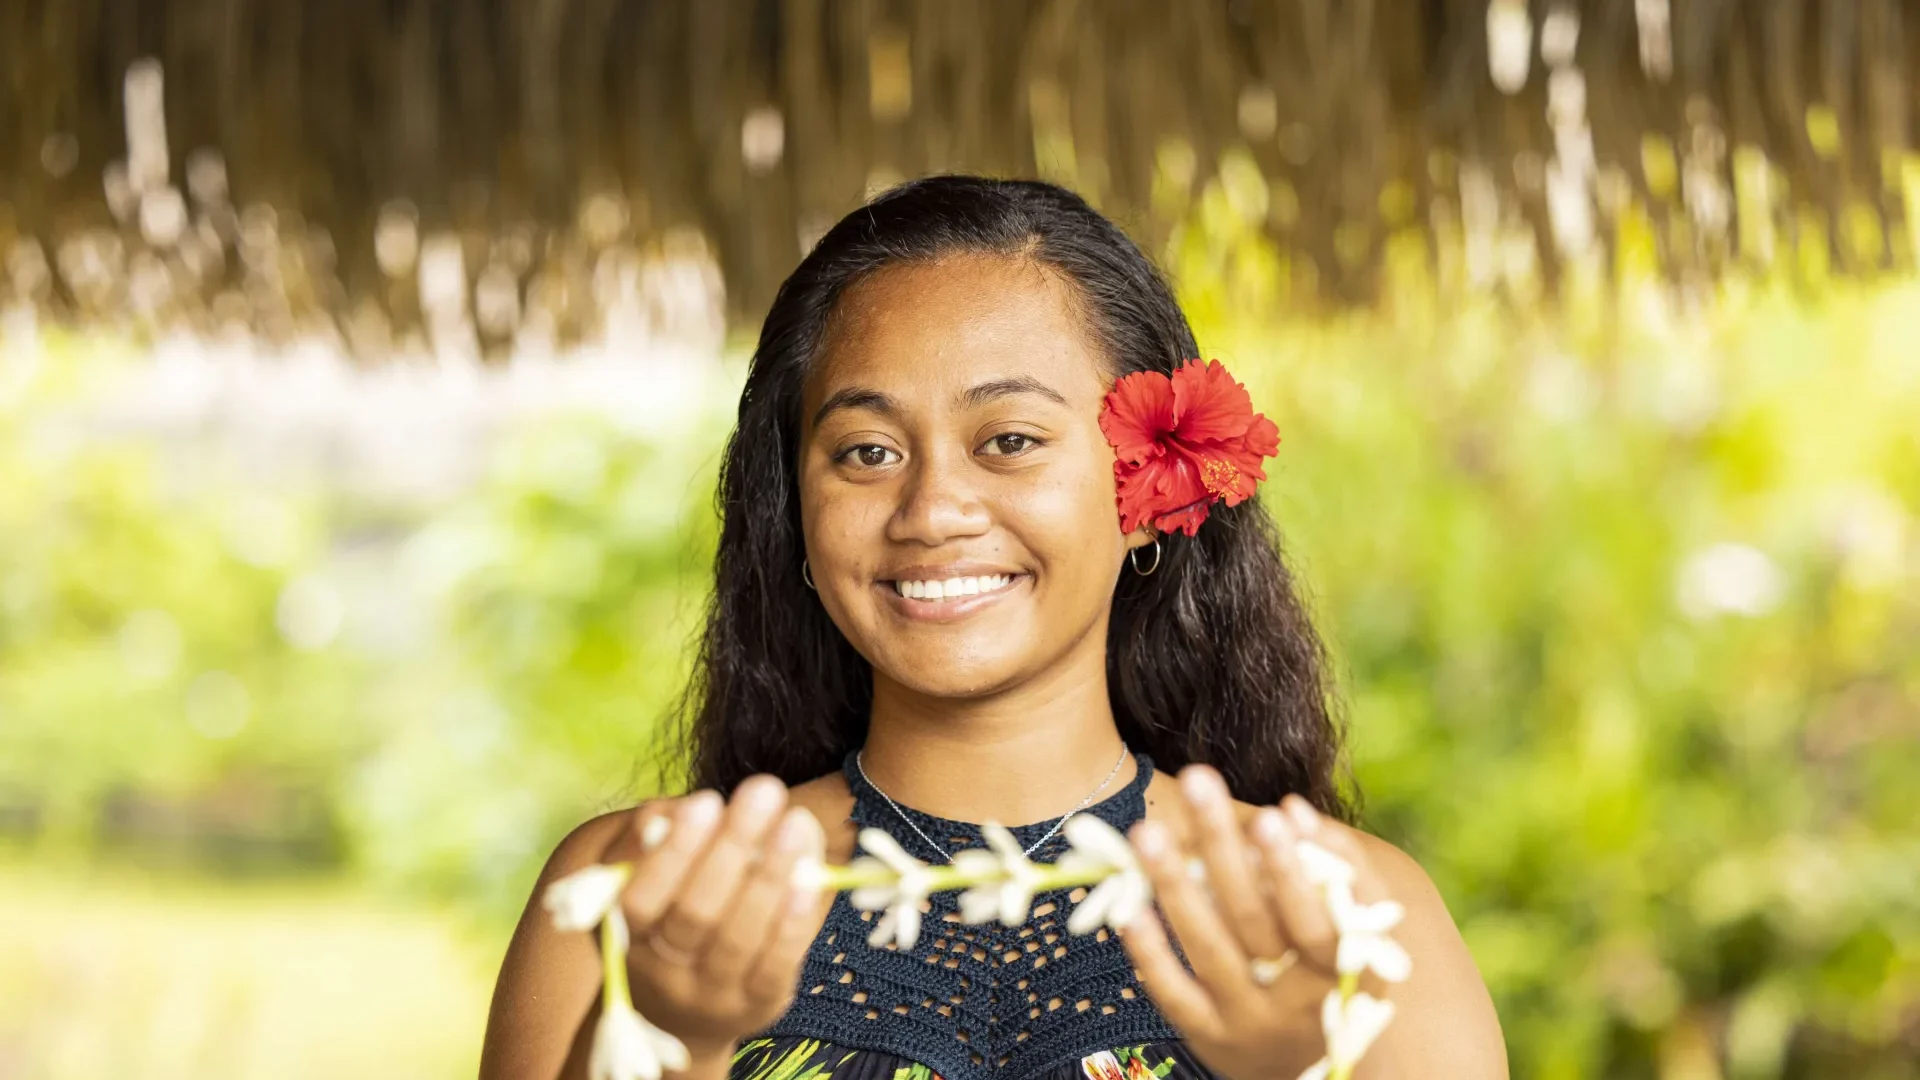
(1218, 476)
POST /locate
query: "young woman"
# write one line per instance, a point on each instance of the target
(937, 605)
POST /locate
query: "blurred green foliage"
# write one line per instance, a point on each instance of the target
(1625, 591)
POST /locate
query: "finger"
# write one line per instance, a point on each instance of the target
(802, 912)
(1300, 905)
(657, 874)
(756, 908)
(708, 890)
(1179, 997)
(1217, 959)
(1230, 876)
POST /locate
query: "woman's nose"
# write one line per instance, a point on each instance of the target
(937, 503)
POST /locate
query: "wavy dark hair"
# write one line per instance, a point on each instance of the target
(1210, 659)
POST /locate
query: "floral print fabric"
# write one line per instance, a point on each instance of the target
(795, 1058)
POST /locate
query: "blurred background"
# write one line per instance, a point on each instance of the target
(364, 367)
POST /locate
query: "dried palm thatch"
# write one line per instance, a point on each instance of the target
(1746, 131)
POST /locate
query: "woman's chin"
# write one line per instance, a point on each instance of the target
(953, 673)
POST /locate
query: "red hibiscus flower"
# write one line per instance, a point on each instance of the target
(1183, 443)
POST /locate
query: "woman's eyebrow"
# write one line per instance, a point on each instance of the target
(857, 397)
(860, 397)
(999, 388)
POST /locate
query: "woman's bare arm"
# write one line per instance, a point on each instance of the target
(1444, 1024)
(547, 999)
(718, 891)
(545, 1002)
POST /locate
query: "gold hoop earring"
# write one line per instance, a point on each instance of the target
(806, 575)
(1134, 558)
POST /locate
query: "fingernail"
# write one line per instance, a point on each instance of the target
(654, 832)
(1150, 839)
(1202, 786)
(701, 809)
(1303, 816)
(1270, 825)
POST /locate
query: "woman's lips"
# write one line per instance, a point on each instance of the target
(947, 609)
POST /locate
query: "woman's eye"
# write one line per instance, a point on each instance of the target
(867, 455)
(1011, 443)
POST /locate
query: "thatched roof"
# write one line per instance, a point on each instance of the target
(1747, 130)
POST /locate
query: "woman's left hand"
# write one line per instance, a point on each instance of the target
(1255, 904)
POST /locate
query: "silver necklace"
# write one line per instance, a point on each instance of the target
(1084, 803)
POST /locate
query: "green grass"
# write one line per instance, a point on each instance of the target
(115, 975)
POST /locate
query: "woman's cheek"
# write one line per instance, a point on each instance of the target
(1064, 523)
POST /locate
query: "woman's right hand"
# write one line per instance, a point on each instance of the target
(718, 931)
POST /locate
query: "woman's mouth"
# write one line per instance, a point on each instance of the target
(941, 600)
(953, 588)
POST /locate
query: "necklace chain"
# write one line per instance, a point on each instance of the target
(1084, 803)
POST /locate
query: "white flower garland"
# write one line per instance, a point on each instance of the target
(999, 882)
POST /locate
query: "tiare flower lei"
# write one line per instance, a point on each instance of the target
(997, 882)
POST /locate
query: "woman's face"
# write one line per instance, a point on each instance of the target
(950, 443)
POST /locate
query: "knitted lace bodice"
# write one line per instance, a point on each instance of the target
(973, 1002)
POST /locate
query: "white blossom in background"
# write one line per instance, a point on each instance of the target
(1124, 894)
(898, 901)
(1009, 879)
(1729, 579)
(1350, 1025)
(580, 900)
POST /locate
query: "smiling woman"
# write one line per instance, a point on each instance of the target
(926, 617)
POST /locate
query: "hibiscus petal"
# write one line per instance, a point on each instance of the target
(1186, 519)
(1262, 438)
(1208, 405)
(1137, 413)
(1160, 485)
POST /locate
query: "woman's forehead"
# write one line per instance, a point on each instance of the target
(935, 329)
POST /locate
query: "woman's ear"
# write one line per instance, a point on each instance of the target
(1140, 537)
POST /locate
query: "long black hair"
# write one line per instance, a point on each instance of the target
(1212, 658)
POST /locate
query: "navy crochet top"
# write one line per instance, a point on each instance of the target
(970, 1002)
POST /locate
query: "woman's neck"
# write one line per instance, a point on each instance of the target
(1021, 757)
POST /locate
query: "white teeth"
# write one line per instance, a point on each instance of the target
(952, 587)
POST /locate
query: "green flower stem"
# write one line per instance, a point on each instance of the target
(613, 965)
(844, 878)
(1349, 986)
(1051, 876)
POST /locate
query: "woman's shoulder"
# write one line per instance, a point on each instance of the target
(1446, 1002)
